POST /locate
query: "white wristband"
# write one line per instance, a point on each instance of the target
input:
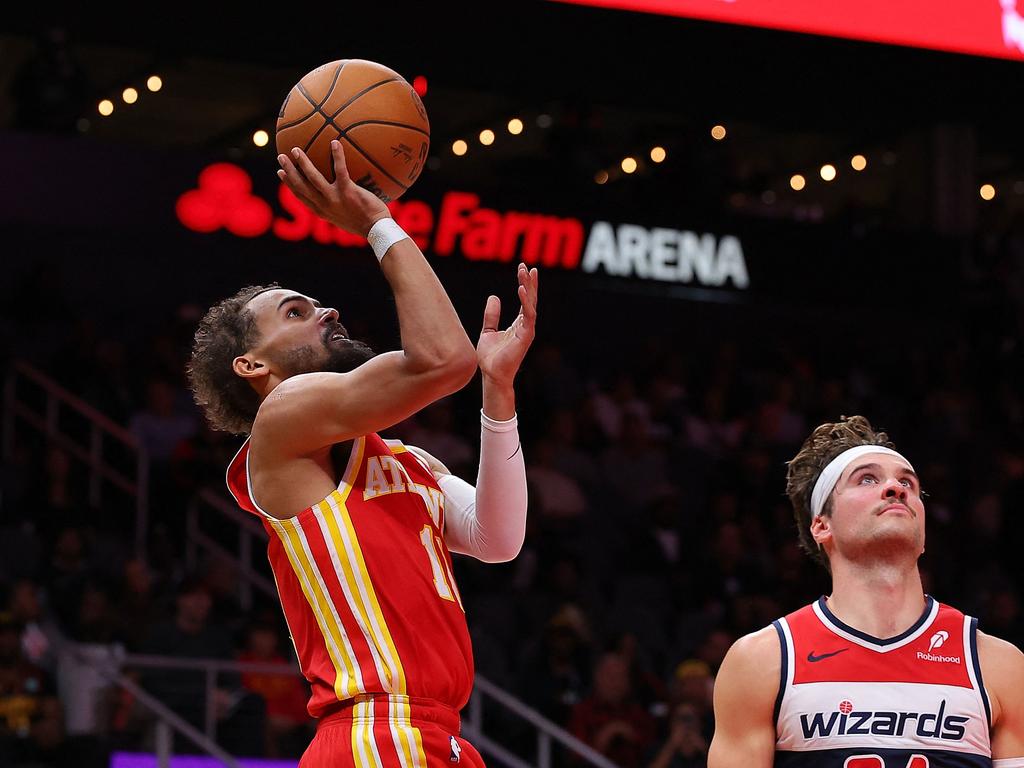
(383, 234)
(494, 425)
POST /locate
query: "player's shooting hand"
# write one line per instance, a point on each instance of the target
(343, 203)
(500, 353)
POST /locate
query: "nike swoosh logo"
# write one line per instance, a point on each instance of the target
(812, 658)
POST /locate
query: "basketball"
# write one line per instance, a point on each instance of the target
(375, 114)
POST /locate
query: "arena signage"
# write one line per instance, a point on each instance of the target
(461, 226)
(978, 27)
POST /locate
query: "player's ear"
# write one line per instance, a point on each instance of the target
(820, 530)
(248, 367)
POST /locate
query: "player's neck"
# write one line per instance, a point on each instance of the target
(882, 600)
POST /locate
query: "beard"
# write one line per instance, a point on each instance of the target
(339, 356)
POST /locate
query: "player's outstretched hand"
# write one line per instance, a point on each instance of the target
(500, 353)
(343, 203)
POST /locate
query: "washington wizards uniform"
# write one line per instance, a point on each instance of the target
(366, 584)
(850, 700)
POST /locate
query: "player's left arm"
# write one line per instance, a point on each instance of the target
(1002, 670)
(488, 522)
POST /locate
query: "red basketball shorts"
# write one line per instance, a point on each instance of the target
(392, 732)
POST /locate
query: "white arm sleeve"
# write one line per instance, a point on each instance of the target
(489, 522)
(1009, 762)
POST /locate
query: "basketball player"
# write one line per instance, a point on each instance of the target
(878, 674)
(360, 529)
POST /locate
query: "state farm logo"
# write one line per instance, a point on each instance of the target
(462, 226)
(225, 200)
(937, 641)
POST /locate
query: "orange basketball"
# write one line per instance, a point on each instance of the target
(375, 114)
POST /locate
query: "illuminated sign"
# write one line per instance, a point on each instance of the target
(979, 27)
(462, 227)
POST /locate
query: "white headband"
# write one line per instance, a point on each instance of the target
(830, 474)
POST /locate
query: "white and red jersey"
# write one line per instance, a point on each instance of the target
(850, 700)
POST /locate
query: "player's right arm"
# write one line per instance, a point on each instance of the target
(309, 412)
(745, 691)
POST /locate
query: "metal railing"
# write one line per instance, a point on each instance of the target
(167, 721)
(249, 533)
(548, 732)
(55, 400)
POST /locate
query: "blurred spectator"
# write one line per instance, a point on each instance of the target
(686, 746)
(634, 467)
(611, 720)
(191, 636)
(289, 728)
(39, 634)
(86, 662)
(556, 671)
(30, 723)
(558, 495)
(693, 685)
(138, 605)
(710, 430)
(647, 686)
(161, 426)
(68, 573)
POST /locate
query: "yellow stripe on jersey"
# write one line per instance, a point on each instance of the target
(364, 743)
(414, 736)
(347, 682)
(359, 759)
(382, 636)
(398, 733)
(343, 558)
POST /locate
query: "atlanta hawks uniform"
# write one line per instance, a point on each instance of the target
(365, 580)
(849, 700)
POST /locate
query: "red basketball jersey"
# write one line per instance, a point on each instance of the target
(366, 583)
(850, 700)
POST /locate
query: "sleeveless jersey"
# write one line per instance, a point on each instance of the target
(850, 700)
(366, 583)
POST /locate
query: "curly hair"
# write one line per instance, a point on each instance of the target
(825, 443)
(227, 331)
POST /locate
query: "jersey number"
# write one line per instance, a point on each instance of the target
(444, 581)
(874, 761)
